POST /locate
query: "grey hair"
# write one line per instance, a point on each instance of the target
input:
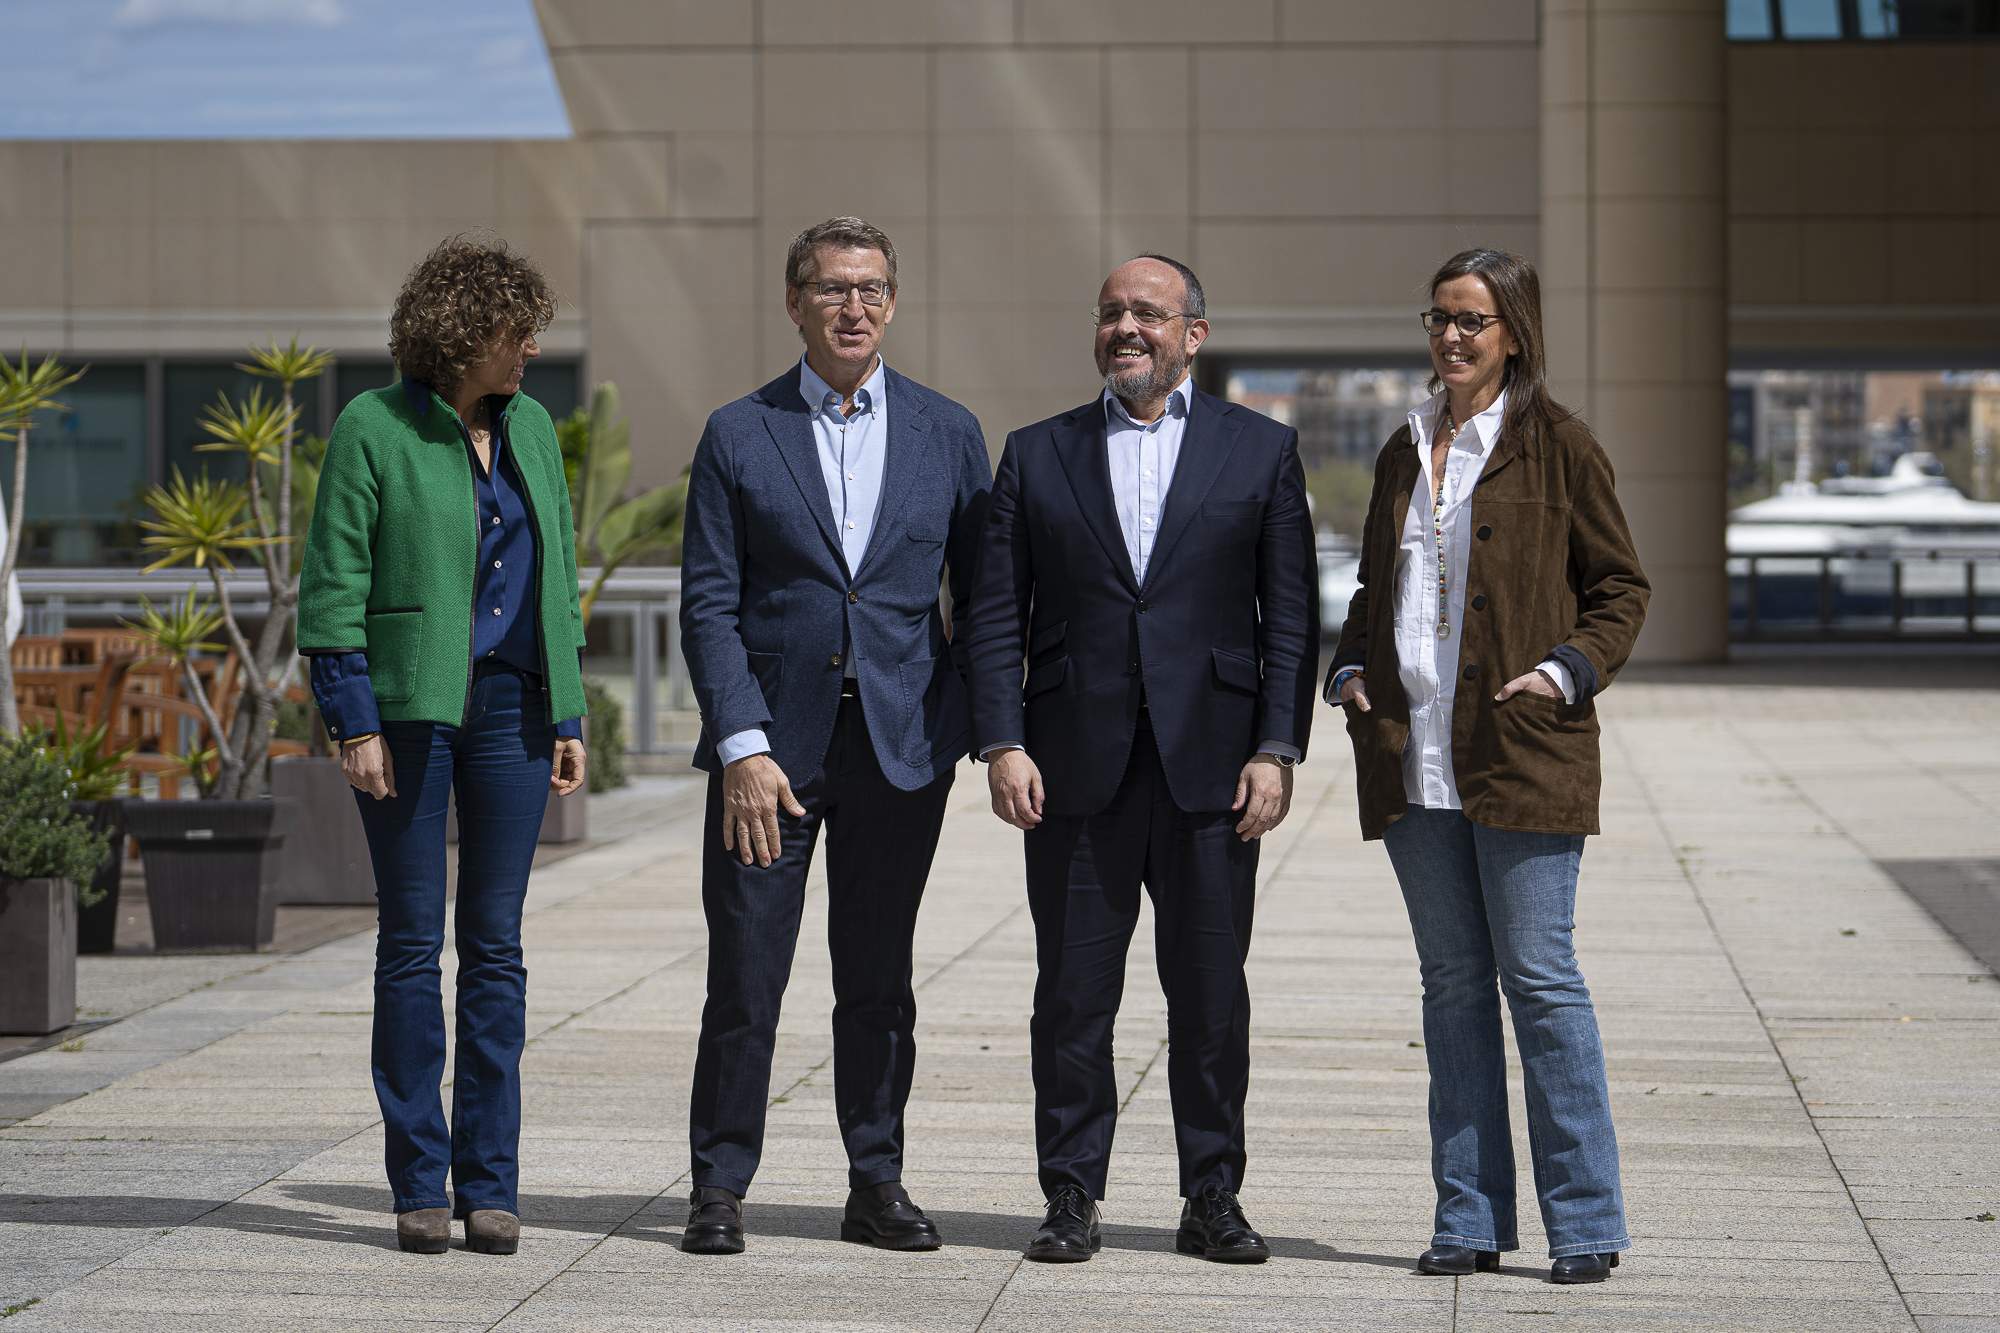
(1197, 300)
(842, 233)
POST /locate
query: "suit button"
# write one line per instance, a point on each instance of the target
(1142, 607)
(834, 660)
(1472, 672)
(1479, 602)
(1485, 531)
(853, 597)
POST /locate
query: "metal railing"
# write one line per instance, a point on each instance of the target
(1884, 595)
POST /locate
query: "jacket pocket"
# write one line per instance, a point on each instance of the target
(395, 640)
(1045, 677)
(1043, 642)
(768, 668)
(1234, 672)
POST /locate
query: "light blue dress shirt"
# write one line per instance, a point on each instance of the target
(851, 450)
(1143, 455)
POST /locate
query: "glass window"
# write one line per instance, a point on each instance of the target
(1811, 19)
(554, 382)
(192, 387)
(354, 376)
(1878, 17)
(1750, 20)
(86, 472)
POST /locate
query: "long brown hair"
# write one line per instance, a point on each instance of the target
(1517, 291)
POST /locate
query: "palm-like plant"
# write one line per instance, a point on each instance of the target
(610, 529)
(208, 523)
(24, 391)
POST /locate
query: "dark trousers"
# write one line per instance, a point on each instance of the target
(879, 845)
(1083, 889)
(498, 762)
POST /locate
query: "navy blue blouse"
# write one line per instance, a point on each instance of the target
(505, 601)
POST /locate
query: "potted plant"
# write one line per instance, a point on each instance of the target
(212, 864)
(48, 857)
(97, 783)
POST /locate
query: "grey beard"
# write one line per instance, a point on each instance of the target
(1141, 385)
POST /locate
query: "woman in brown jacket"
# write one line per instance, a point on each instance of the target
(1493, 606)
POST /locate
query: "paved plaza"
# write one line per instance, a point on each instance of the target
(1805, 1068)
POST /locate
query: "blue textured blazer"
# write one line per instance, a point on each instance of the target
(768, 603)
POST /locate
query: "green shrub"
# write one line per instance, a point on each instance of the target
(40, 836)
(606, 726)
(96, 773)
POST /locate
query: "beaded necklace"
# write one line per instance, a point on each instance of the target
(1450, 428)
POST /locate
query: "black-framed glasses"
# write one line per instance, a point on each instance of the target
(872, 293)
(1149, 316)
(1470, 322)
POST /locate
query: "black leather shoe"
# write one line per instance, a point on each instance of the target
(1456, 1261)
(715, 1222)
(1213, 1227)
(1069, 1232)
(1575, 1268)
(883, 1216)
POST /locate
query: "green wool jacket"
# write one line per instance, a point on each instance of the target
(391, 556)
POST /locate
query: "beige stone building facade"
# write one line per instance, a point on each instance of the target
(1686, 198)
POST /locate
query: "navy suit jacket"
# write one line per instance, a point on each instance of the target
(1221, 640)
(768, 604)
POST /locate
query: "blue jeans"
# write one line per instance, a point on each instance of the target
(1487, 903)
(498, 762)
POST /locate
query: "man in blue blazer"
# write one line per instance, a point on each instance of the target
(1149, 559)
(823, 512)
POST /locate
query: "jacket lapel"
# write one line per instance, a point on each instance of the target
(1212, 428)
(1080, 447)
(791, 431)
(909, 432)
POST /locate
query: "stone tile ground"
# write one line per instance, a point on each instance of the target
(1806, 1070)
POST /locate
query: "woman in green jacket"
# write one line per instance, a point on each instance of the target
(438, 606)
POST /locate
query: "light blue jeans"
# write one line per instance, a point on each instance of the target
(1489, 904)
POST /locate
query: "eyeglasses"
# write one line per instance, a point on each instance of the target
(1470, 322)
(1148, 316)
(835, 293)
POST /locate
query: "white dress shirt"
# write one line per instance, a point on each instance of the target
(1427, 661)
(851, 450)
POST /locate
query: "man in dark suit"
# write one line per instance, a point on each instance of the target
(822, 511)
(1149, 558)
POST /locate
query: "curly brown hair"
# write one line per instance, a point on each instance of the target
(464, 296)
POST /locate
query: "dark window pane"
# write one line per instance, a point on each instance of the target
(192, 387)
(357, 375)
(555, 383)
(86, 472)
(1812, 19)
(1750, 20)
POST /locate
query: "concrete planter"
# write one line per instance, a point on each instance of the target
(325, 858)
(97, 923)
(211, 870)
(37, 955)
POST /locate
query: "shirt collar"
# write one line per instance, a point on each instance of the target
(1485, 428)
(1178, 403)
(867, 398)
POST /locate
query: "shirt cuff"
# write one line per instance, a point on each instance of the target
(1280, 749)
(571, 730)
(742, 745)
(1559, 673)
(345, 697)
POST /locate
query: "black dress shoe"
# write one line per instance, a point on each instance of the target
(1456, 1261)
(1069, 1232)
(883, 1216)
(1213, 1227)
(1574, 1268)
(715, 1222)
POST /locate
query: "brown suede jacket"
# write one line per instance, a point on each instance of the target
(1553, 573)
